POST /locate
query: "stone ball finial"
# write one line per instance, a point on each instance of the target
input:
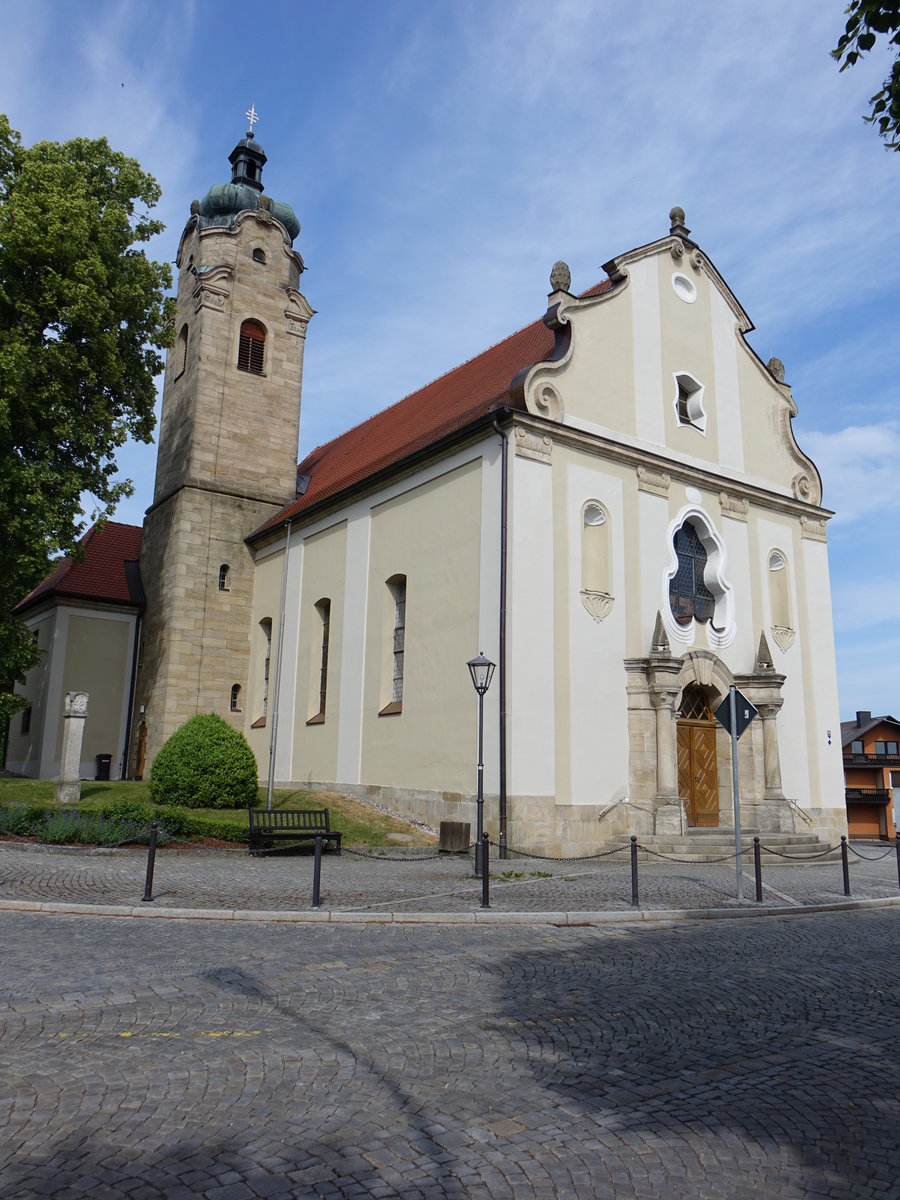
(676, 217)
(195, 207)
(776, 367)
(560, 277)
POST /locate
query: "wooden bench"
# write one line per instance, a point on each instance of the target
(294, 825)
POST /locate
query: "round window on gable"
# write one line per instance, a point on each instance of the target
(259, 255)
(685, 289)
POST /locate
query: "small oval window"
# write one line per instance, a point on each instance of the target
(685, 289)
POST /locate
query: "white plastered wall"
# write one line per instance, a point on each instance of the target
(823, 711)
(598, 726)
(531, 631)
(647, 350)
(793, 719)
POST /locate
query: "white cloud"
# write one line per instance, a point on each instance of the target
(859, 469)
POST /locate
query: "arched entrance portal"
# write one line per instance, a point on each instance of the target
(698, 778)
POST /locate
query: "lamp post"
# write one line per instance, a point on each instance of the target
(482, 671)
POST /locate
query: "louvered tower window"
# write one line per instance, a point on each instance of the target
(688, 594)
(252, 348)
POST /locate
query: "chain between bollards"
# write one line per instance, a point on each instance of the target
(757, 870)
(317, 872)
(634, 873)
(151, 861)
(845, 864)
(485, 870)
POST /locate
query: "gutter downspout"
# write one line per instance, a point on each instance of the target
(273, 740)
(504, 471)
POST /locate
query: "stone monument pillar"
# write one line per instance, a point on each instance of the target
(68, 787)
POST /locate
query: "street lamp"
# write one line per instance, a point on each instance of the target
(482, 671)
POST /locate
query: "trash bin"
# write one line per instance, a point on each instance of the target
(103, 762)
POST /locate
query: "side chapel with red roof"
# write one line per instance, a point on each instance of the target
(610, 504)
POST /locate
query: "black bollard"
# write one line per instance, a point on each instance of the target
(897, 843)
(845, 865)
(634, 875)
(485, 870)
(151, 861)
(317, 871)
(757, 868)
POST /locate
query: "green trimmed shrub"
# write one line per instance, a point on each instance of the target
(124, 809)
(204, 764)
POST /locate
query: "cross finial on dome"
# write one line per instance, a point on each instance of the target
(252, 117)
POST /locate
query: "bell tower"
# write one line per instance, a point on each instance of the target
(227, 456)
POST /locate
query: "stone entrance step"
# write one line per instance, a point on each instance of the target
(701, 845)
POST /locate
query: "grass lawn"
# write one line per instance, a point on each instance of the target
(360, 824)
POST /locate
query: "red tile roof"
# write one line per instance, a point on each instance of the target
(108, 571)
(421, 419)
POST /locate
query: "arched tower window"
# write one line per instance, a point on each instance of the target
(688, 594)
(181, 349)
(252, 348)
(236, 698)
(223, 577)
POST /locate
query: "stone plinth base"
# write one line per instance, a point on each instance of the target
(67, 793)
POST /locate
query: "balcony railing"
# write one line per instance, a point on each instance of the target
(872, 760)
(859, 795)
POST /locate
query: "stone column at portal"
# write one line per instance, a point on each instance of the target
(663, 702)
(771, 760)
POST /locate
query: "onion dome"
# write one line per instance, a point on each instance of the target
(224, 201)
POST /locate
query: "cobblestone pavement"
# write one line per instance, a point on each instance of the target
(710, 1060)
(408, 884)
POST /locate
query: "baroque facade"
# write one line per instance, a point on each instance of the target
(610, 503)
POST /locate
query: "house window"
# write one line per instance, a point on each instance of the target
(397, 591)
(323, 610)
(266, 626)
(252, 348)
(885, 748)
(181, 348)
(688, 594)
(689, 402)
(236, 698)
(26, 720)
(223, 577)
(856, 747)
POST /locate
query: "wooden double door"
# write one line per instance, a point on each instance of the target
(698, 776)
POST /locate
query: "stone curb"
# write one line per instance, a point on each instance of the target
(476, 917)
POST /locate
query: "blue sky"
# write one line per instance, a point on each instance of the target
(441, 156)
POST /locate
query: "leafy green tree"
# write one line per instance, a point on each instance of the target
(83, 318)
(866, 20)
(205, 764)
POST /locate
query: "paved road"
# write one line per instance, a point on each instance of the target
(179, 1058)
(415, 883)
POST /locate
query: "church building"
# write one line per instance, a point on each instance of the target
(610, 504)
